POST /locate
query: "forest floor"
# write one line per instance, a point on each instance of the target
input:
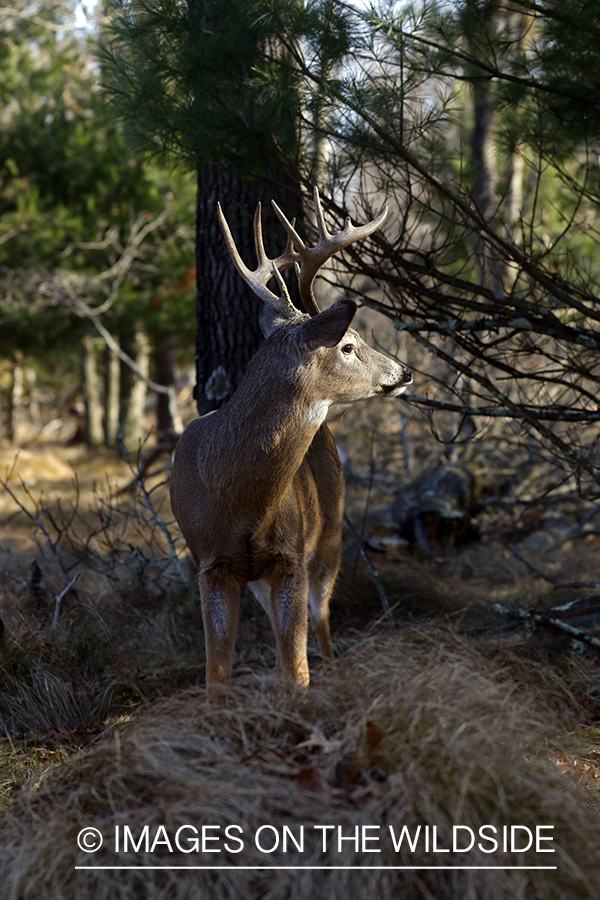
(466, 711)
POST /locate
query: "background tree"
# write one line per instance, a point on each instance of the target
(461, 116)
(81, 218)
(180, 78)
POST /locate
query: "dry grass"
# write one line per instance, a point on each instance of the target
(61, 684)
(416, 728)
(107, 725)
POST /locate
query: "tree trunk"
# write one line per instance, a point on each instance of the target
(168, 418)
(228, 334)
(483, 163)
(16, 400)
(134, 428)
(112, 395)
(515, 194)
(35, 415)
(94, 435)
(483, 150)
(523, 35)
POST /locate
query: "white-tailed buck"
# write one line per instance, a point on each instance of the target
(257, 486)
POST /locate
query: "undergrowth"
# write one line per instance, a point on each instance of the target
(105, 724)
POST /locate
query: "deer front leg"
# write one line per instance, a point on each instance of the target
(220, 600)
(289, 606)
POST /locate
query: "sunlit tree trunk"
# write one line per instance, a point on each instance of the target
(16, 400)
(112, 394)
(483, 163)
(134, 427)
(35, 415)
(94, 434)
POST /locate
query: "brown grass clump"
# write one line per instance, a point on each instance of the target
(412, 729)
(59, 684)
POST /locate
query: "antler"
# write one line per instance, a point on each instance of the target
(312, 258)
(266, 269)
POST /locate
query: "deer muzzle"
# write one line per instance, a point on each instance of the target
(394, 390)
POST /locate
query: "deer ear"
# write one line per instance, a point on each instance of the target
(269, 319)
(328, 327)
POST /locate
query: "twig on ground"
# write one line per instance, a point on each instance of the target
(36, 519)
(59, 598)
(584, 606)
(542, 619)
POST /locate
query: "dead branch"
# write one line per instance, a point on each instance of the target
(543, 619)
(59, 598)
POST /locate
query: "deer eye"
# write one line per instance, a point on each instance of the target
(348, 348)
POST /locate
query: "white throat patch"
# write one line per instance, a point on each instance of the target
(318, 413)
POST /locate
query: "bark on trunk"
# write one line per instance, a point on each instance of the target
(16, 400)
(168, 418)
(228, 334)
(483, 153)
(35, 415)
(112, 394)
(94, 435)
(522, 34)
(484, 177)
(134, 428)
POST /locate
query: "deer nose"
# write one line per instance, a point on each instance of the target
(407, 376)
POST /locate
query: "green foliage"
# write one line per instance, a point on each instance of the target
(183, 79)
(568, 58)
(72, 191)
(64, 171)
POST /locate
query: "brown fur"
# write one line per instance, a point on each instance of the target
(257, 486)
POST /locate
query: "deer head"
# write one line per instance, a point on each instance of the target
(353, 371)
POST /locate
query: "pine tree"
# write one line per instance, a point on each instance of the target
(182, 79)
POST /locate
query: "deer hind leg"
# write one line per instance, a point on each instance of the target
(289, 617)
(220, 598)
(262, 591)
(321, 582)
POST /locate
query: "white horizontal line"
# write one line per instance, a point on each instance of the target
(319, 868)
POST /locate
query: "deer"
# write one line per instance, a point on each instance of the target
(257, 486)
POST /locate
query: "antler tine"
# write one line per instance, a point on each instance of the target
(258, 279)
(289, 256)
(312, 258)
(293, 235)
(280, 281)
(233, 252)
(323, 233)
(258, 238)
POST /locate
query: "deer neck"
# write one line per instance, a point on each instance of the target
(275, 420)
